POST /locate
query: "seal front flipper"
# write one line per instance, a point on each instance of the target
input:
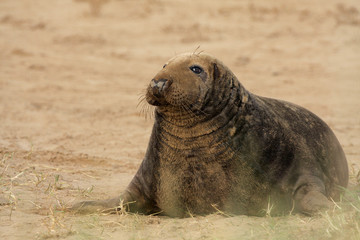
(130, 202)
(100, 206)
(133, 200)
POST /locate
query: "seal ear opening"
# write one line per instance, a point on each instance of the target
(216, 72)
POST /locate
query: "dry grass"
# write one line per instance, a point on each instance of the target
(49, 199)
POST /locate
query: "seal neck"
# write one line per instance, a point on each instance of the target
(213, 115)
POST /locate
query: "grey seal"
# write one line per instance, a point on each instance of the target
(216, 146)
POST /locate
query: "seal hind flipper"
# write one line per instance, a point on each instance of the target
(310, 195)
(312, 202)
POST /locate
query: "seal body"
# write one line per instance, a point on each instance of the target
(216, 146)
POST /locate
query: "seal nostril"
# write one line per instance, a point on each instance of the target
(153, 83)
(168, 83)
(162, 80)
(159, 85)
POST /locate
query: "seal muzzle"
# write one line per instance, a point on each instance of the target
(159, 86)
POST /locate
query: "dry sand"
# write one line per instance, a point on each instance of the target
(71, 73)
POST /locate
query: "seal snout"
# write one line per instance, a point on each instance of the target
(159, 86)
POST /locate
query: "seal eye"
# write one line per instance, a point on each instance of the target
(196, 69)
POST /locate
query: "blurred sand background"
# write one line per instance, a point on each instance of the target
(71, 73)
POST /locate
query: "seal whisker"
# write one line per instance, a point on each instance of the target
(146, 110)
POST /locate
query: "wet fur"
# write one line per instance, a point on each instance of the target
(214, 145)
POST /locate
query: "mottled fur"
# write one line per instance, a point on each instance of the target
(215, 145)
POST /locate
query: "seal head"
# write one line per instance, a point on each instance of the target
(183, 82)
